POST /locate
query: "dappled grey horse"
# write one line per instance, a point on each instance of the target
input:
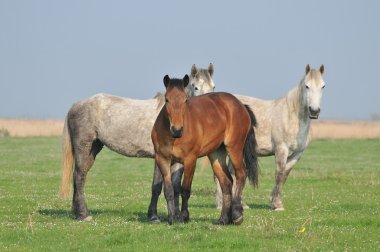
(283, 127)
(123, 125)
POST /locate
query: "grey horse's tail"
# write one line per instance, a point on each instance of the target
(250, 154)
(67, 162)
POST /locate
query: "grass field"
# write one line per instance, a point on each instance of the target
(332, 195)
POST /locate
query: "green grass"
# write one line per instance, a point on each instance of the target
(334, 192)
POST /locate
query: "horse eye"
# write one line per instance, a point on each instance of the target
(196, 88)
(323, 87)
(307, 86)
(166, 100)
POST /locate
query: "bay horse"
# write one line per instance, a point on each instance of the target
(123, 125)
(213, 125)
(283, 127)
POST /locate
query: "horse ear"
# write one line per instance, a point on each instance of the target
(322, 69)
(185, 80)
(194, 70)
(307, 70)
(211, 69)
(166, 81)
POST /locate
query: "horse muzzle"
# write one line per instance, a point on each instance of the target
(314, 113)
(176, 133)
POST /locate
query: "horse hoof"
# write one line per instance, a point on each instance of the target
(88, 218)
(279, 209)
(238, 220)
(185, 216)
(221, 222)
(245, 206)
(154, 219)
(184, 219)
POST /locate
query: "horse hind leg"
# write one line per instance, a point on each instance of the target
(218, 194)
(236, 159)
(84, 159)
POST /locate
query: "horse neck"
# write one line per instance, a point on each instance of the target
(297, 104)
(188, 91)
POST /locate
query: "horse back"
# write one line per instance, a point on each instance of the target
(220, 116)
(122, 124)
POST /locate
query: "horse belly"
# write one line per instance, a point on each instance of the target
(131, 148)
(128, 139)
(210, 147)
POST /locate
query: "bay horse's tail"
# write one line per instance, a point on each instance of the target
(250, 154)
(67, 162)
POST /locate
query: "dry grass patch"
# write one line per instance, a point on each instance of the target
(320, 128)
(345, 130)
(29, 127)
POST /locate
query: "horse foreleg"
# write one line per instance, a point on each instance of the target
(224, 179)
(290, 162)
(156, 191)
(164, 166)
(189, 169)
(281, 155)
(177, 172)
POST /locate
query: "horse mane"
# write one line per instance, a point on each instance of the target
(295, 97)
(160, 97)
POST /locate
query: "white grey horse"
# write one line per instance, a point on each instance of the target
(283, 127)
(123, 125)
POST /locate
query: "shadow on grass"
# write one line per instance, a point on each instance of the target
(127, 216)
(251, 206)
(259, 206)
(56, 213)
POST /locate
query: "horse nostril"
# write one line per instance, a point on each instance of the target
(314, 113)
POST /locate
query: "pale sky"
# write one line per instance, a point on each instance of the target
(54, 53)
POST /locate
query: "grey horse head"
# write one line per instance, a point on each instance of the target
(200, 81)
